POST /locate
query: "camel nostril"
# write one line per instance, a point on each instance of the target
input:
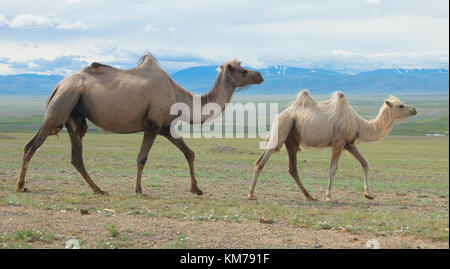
(259, 78)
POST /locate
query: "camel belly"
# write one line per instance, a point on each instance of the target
(316, 142)
(119, 116)
(315, 135)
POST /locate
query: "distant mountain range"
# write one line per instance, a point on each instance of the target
(277, 80)
(289, 80)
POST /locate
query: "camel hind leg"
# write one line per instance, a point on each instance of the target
(62, 102)
(280, 130)
(292, 148)
(28, 153)
(259, 166)
(77, 127)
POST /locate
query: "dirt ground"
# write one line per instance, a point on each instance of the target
(160, 232)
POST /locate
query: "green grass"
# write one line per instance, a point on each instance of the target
(409, 175)
(111, 228)
(180, 242)
(23, 238)
(423, 126)
(24, 114)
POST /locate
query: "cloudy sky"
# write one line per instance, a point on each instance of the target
(61, 36)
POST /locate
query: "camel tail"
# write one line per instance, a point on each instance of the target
(53, 94)
(281, 127)
(59, 107)
(55, 130)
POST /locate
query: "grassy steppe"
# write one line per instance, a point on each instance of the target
(409, 175)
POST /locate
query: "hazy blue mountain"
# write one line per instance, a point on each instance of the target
(28, 84)
(289, 80)
(277, 80)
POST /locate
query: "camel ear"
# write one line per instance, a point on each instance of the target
(222, 67)
(230, 68)
(389, 104)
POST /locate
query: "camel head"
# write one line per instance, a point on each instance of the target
(239, 76)
(398, 109)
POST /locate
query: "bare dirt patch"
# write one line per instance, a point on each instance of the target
(154, 232)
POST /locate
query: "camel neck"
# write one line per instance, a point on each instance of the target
(220, 94)
(379, 127)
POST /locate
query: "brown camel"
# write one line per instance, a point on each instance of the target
(127, 101)
(332, 123)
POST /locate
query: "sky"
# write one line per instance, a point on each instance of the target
(350, 36)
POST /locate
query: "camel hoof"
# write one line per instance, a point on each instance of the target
(24, 190)
(368, 196)
(310, 198)
(196, 191)
(251, 197)
(99, 191)
(330, 200)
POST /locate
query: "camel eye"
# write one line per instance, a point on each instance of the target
(244, 72)
(401, 106)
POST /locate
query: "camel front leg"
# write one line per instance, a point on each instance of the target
(259, 166)
(353, 150)
(336, 153)
(190, 157)
(147, 142)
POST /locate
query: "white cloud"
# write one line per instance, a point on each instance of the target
(343, 53)
(3, 20)
(339, 35)
(32, 65)
(31, 21)
(5, 69)
(150, 28)
(78, 25)
(45, 21)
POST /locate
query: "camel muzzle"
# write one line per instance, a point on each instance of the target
(259, 78)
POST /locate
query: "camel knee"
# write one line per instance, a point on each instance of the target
(28, 147)
(33, 145)
(365, 164)
(141, 162)
(259, 167)
(76, 160)
(293, 172)
(333, 170)
(189, 154)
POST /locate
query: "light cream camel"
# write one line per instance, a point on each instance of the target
(127, 101)
(332, 123)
